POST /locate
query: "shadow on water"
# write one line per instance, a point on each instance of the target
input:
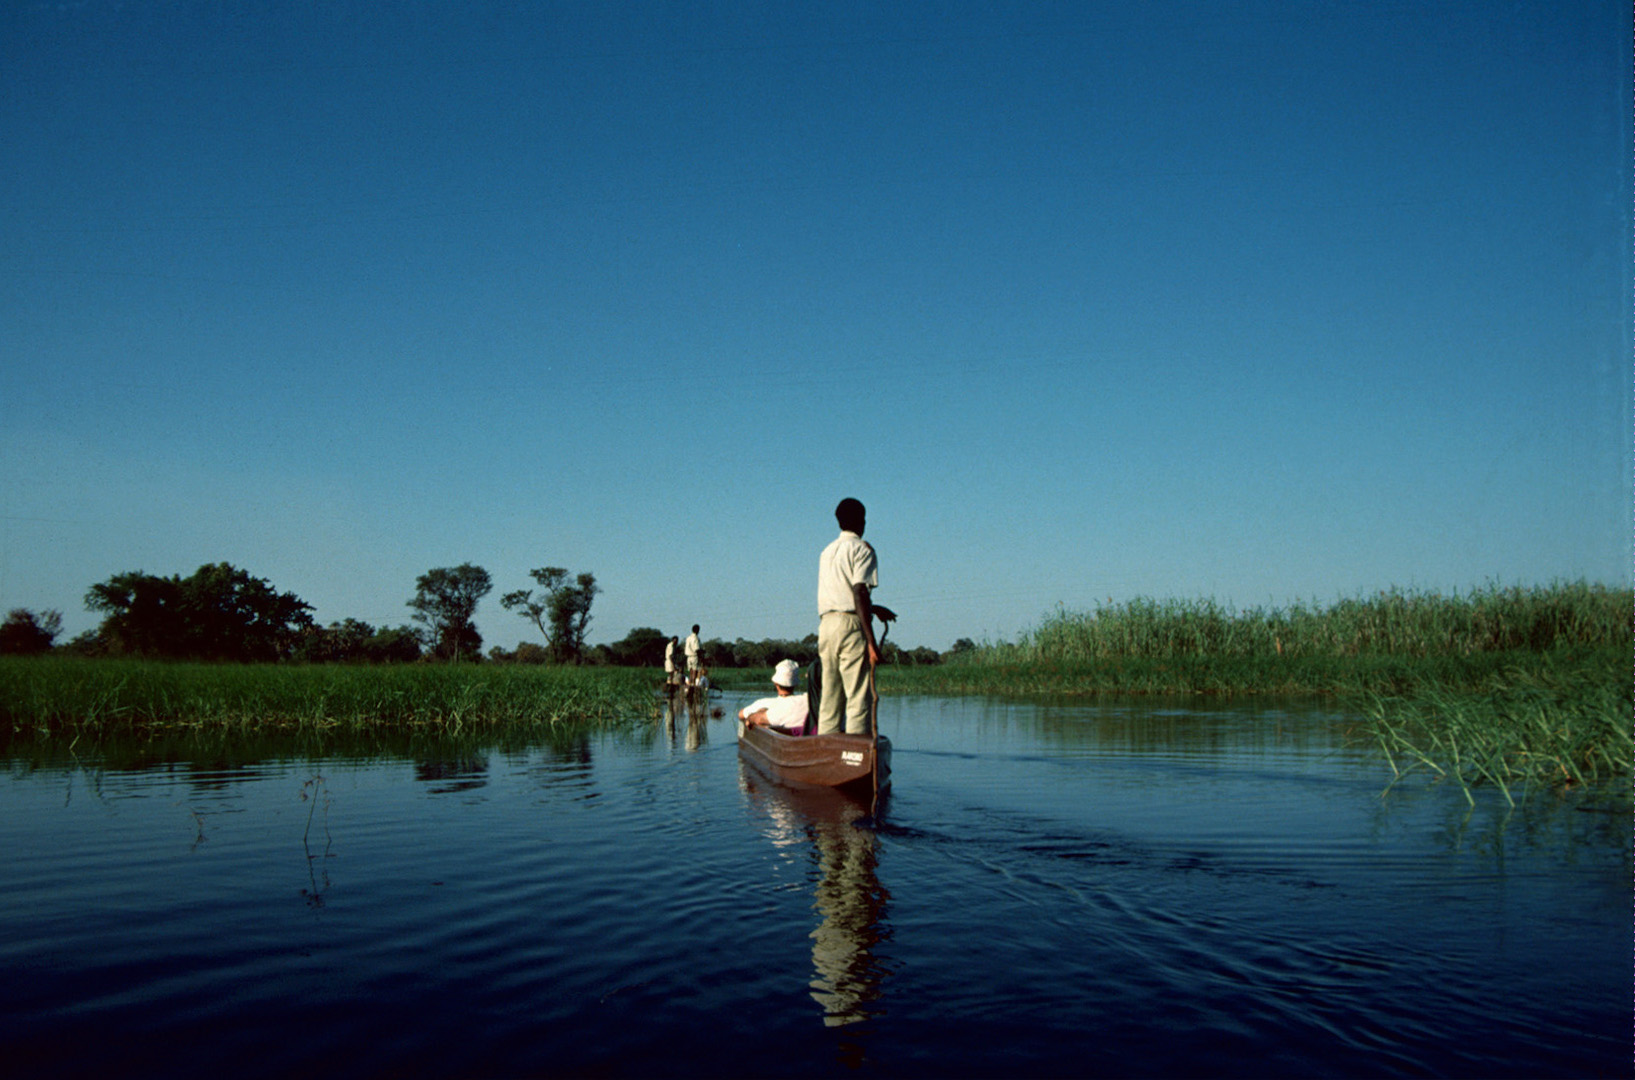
(850, 903)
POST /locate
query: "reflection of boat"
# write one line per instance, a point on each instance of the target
(834, 761)
(849, 898)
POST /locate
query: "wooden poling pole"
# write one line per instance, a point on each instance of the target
(874, 756)
(874, 721)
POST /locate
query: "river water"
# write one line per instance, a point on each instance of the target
(1050, 889)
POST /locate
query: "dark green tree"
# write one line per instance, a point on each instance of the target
(445, 602)
(86, 643)
(570, 616)
(26, 634)
(219, 612)
(561, 611)
(529, 652)
(642, 647)
(392, 645)
(142, 613)
(353, 641)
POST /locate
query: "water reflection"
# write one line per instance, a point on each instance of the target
(1079, 895)
(849, 899)
(698, 720)
(1172, 727)
(451, 775)
(315, 792)
(692, 707)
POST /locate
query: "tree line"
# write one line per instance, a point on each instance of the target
(223, 613)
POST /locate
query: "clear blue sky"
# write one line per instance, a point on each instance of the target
(1262, 302)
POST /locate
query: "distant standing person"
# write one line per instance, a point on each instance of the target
(670, 661)
(847, 572)
(691, 649)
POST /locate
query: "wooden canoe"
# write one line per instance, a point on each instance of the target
(832, 761)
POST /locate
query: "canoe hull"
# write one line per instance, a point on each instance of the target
(831, 761)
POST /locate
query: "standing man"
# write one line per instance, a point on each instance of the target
(846, 650)
(690, 647)
(670, 661)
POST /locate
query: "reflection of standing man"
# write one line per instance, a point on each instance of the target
(846, 976)
(691, 649)
(846, 648)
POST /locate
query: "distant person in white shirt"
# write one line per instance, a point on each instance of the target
(690, 647)
(785, 713)
(670, 661)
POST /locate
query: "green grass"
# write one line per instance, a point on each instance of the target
(47, 697)
(1559, 724)
(1393, 623)
(1500, 686)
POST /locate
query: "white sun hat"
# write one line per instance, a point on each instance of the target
(786, 674)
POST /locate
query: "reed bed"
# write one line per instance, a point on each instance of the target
(1557, 725)
(1393, 622)
(50, 695)
(1499, 685)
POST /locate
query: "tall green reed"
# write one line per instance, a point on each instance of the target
(1500, 685)
(1556, 724)
(1393, 622)
(60, 694)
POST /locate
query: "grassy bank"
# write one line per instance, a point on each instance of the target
(1503, 686)
(1394, 623)
(50, 696)
(1496, 686)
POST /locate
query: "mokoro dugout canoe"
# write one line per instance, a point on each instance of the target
(832, 761)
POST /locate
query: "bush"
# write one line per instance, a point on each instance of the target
(26, 634)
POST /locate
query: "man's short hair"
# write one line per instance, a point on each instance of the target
(849, 514)
(695, 628)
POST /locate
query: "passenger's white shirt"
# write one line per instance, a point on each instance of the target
(847, 561)
(786, 713)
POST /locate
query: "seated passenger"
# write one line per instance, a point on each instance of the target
(785, 713)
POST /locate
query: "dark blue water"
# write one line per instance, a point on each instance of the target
(1072, 890)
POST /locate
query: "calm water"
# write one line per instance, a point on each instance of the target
(1049, 890)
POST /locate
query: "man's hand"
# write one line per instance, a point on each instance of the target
(884, 614)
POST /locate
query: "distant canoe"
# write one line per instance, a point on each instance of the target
(832, 761)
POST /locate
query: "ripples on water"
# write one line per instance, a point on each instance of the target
(1048, 890)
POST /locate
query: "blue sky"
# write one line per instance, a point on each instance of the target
(1262, 302)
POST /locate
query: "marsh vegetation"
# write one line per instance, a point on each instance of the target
(47, 697)
(1503, 686)
(1499, 685)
